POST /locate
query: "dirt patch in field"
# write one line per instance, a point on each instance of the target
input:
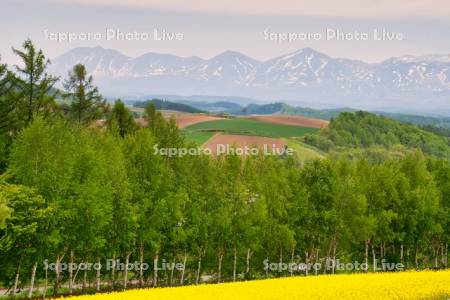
(221, 142)
(295, 120)
(183, 119)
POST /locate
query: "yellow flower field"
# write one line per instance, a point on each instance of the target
(405, 285)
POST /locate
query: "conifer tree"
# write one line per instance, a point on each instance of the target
(34, 84)
(86, 102)
(7, 102)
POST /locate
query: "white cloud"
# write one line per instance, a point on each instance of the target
(333, 8)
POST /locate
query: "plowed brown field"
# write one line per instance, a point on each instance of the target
(183, 119)
(295, 120)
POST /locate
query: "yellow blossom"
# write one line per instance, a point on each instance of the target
(401, 285)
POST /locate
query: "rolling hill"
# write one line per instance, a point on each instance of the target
(168, 105)
(366, 130)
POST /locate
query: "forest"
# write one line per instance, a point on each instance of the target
(75, 190)
(364, 130)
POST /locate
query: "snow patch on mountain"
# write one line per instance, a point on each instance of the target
(303, 75)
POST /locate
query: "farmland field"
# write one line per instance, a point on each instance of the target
(404, 285)
(241, 141)
(250, 127)
(186, 119)
(198, 137)
(182, 119)
(295, 120)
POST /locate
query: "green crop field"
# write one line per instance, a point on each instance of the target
(198, 137)
(248, 127)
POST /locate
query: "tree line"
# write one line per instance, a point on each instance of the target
(74, 191)
(168, 105)
(365, 130)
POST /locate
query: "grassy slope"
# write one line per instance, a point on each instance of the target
(303, 151)
(249, 127)
(363, 130)
(198, 137)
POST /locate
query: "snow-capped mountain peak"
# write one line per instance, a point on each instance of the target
(302, 75)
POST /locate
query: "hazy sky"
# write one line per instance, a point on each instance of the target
(210, 27)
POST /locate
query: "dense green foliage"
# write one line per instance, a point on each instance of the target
(104, 196)
(250, 127)
(365, 130)
(73, 193)
(444, 131)
(121, 119)
(168, 105)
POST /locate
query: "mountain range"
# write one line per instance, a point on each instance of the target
(407, 83)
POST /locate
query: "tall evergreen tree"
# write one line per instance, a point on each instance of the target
(86, 102)
(7, 100)
(33, 83)
(8, 113)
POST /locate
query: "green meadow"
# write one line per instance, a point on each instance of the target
(247, 127)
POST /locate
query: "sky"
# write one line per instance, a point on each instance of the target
(206, 28)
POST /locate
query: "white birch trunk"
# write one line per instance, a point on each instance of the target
(16, 280)
(33, 276)
(125, 276)
(199, 267)
(155, 270)
(57, 275)
(113, 271)
(247, 261)
(71, 272)
(234, 263)
(45, 283)
(374, 257)
(366, 254)
(219, 269)
(401, 253)
(184, 268)
(172, 270)
(97, 276)
(141, 261)
(84, 279)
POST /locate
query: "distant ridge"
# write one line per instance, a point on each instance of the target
(168, 105)
(419, 83)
